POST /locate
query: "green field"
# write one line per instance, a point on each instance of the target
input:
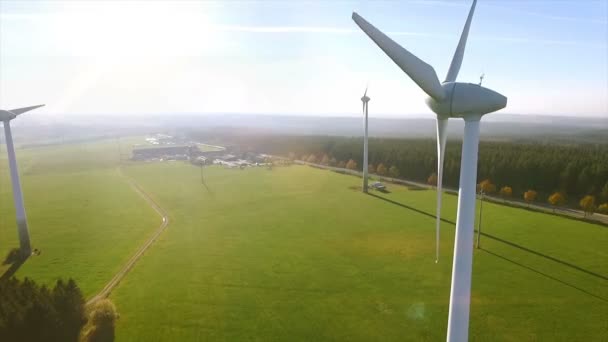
(297, 253)
(83, 214)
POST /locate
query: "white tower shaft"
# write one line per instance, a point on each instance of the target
(442, 125)
(24, 236)
(365, 157)
(460, 294)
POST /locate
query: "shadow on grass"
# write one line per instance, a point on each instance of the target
(12, 256)
(565, 263)
(410, 208)
(207, 188)
(544, 274)
(384, 191)
(512, 244)
(16, 262)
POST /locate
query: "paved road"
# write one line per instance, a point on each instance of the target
(107, 289)
(548, 209)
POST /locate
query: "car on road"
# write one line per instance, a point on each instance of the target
(378, 186)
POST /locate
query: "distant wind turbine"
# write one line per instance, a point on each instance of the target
(450, 99)
(24, 236)
(365, 99)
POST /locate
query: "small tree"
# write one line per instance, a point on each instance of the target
(333, 161)
(556, 199)
(312, 159)
(393, 171)
(381, 170)
(102, 319)
(588, 204)
(506, 191)
(291, 156)
(341, 164)
(432, 180)
(351, 165)
(325, 160)
(603, 208)
(371, 168)
(487, 187)
(530, 196)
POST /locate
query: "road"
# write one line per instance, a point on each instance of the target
(107, 289)
(548, 209)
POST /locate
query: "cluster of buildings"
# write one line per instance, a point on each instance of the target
(165, 152)
(247, 159)
(164, 148)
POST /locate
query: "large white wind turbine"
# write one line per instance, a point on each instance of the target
(450, 99)
(24, 236)
(365, 99)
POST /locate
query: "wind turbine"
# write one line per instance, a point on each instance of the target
(450, 99)
(24, 236)
(365, 99)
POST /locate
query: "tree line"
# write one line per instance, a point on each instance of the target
(32, 312)
(574, 170)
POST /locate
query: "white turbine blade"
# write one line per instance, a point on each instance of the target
(420, 72)
(442, 125)
(24, 109)
(459, 53)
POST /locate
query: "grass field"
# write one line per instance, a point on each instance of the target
(82, 213)
(296, 253)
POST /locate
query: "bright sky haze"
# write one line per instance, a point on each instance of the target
(88, 57)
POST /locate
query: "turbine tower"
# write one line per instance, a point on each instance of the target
(365, 99)
(24, 236)
(450, 99)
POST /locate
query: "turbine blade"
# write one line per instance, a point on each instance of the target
(442, 125)
(24, 109)
(459, 53)
(420, 72)
(365, 91)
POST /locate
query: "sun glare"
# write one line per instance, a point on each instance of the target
(145, 29)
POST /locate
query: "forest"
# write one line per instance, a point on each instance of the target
(37, 313)
(30, 312)
(575, 170)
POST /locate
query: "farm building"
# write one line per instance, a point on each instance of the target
(173, 152)
(165, 152)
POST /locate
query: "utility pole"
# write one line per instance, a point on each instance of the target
(481, 193)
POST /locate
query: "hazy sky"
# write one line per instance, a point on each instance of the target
(547, 57)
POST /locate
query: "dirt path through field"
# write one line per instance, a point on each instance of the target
(107, 289)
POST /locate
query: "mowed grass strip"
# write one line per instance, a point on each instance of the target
(298, 253)
(83, 215)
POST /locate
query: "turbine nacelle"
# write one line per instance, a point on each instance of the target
(464, 99)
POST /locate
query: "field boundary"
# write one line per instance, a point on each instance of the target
(563, 212)
(107, 289)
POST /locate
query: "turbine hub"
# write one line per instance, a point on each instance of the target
(6, 115)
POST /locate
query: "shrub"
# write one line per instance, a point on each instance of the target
(101, 323)
(506, 191)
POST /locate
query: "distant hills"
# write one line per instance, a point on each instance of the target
(548, 129)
